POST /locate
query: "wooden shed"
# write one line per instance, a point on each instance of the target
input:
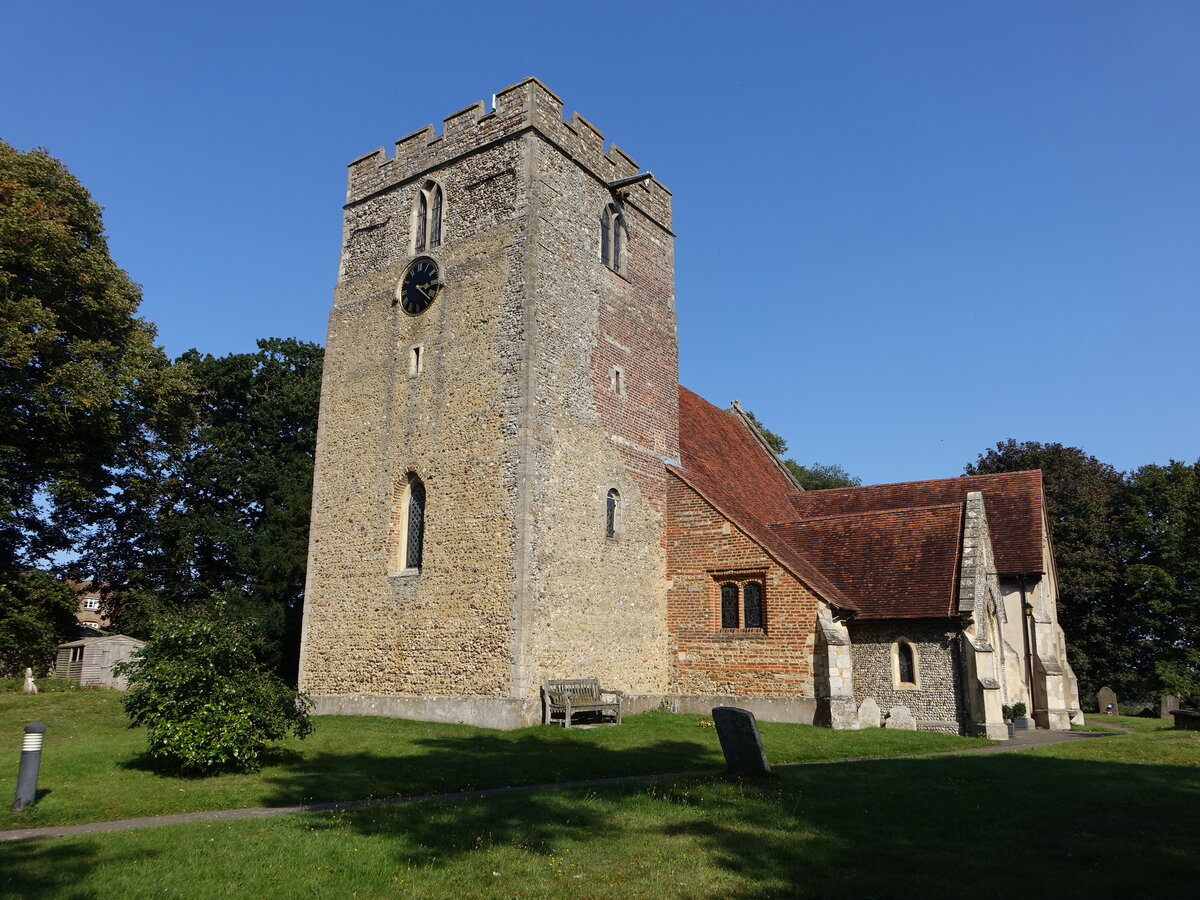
(91, 660)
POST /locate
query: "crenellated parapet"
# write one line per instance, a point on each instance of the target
(528, 105)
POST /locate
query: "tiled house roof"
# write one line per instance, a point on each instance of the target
(883, 551)
(1014, 502)
(723, 460)
(900, 563)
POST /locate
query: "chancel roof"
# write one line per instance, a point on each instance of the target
(882, 551)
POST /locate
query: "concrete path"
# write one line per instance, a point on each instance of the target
(1023, 741)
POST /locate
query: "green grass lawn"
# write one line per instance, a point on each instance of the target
(1068, 820)
(94, 767)
(1098, 721)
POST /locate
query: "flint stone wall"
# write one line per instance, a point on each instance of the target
(936, 704)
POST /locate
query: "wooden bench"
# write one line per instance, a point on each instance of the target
(563, 698)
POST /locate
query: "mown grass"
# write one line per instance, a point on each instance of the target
(1098, 721)
(94, 767)
(1066, 820)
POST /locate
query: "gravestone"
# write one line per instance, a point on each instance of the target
(1106, 701)
(740, 741)
(31, 686)
(901, 717)
(1165, 705)
(868, 714)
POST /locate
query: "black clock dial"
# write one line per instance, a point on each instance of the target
(419, 286)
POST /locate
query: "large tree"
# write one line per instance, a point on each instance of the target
(82, 388)
(1161, 541)
(1084, 497)
(81, 376)
(222, 512)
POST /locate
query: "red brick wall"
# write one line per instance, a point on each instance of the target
(703, 551)
(637, 335)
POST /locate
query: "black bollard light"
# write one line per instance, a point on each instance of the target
(31, 761)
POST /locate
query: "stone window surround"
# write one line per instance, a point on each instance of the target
(614, 239)
(616, 381)
(739, 578)
(429, 190)
(897, 684)
(613, 514)
(416, 360)
(398, 538)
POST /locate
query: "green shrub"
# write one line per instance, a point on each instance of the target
(1007, 712)
(1019, 710)
(206, 701)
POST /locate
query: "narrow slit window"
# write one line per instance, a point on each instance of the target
(422, 217)
(908, 663)
(415, 532)
(612, 238)
(414, 361)
(611, 506)
(435, 218)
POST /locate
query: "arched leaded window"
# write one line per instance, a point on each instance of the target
(612, 512)
(612, 238)
(729, 606)
(752, 597)
(427, 217)
(905, 657)
(414, 532)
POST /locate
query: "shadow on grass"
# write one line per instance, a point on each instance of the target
(987, 826)
(51, 869)
(447, 764)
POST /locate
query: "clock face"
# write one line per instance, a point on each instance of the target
(419, 286)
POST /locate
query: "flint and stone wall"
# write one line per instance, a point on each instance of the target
(937, 703)
(511, 424)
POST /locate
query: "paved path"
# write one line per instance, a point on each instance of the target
(1023, 741)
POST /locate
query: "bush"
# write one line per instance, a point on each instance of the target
(1019, 710)
(207, 702)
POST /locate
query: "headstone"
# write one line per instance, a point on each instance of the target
(1165, 705)
(31, 686)
(740, 741)
(868, 714)
(1106, 701)
(901, 717)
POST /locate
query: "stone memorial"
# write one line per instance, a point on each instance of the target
(1106, 701)
(740, 741)
(31, 685)
(901, 717)
(868, 714)
(1165, 705)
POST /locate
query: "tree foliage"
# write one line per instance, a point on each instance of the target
(1160, 526)
(206, 701)
(36, 610)
(813, 477)
(82, 380)
(222, 512)
(818, 476)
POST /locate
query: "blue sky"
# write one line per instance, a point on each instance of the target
(905, 230)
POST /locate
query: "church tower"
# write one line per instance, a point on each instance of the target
(499, 398)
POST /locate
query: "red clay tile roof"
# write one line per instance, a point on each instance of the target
(1013, 501)
(894, 564)
(724, 462)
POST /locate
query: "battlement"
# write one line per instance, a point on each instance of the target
(526, 105)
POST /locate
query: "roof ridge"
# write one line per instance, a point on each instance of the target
(866, 487)
(868, 512)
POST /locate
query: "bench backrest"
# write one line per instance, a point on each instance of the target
(578, 688)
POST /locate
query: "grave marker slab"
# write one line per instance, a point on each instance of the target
(868, 714)
(1106, 701)
(901, 717)
(1165, 705)
(740, 741)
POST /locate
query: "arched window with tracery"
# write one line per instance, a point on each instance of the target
(612, 238)
(427, 217)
